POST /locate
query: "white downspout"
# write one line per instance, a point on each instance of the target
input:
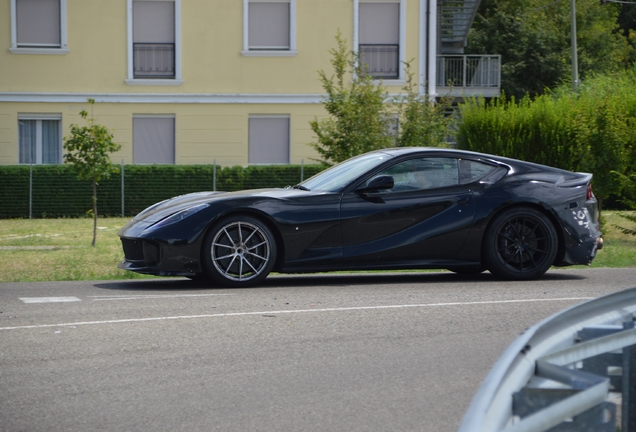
(432, 49)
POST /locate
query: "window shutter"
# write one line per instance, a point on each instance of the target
(38, 23)
(379, 23)
(153, 140)
(268, 140)
(153, 21)
(269, 25)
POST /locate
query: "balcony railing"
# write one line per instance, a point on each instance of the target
(469, 72)
(382, 60)
(153, 60)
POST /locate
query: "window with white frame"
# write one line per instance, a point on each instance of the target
(269, 27)
(153, 139)
(38, 27)
(154, 29)
(268, 139)
(381, 38)
(39, 139)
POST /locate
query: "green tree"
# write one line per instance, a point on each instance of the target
(422, 122)
(533, 38)
(88, 150)
(358, 119)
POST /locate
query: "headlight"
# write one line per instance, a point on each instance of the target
(176, 217)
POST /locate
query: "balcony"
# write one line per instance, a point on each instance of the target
(153, 60)
(382, 60)
(468, 75)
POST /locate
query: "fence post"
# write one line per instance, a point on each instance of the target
(302, 170)
(31, 191)
(214, 177)
(122, 188)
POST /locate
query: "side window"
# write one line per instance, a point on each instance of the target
(40, 140)
(379, 37)
(424, 173)
(471, 171)
(153, 39)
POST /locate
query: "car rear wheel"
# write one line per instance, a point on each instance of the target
(239, 251)
(521, 244)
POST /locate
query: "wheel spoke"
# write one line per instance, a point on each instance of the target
(225, 256)
(222, 245)
(255, 246)
(537, 250)
(240, 233)
(263, 258)
(505, 247)
(536, 225)
(512, 257)
(249, 264)
(229, 237)
(534, 263)
(249, 237)
(227, 269)
(506, 237)
(514, 228)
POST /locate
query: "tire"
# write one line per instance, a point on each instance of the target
(239, 251)
(521, 244)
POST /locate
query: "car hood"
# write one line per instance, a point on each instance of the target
(163, 209)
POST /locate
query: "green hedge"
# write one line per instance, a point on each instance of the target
(591, 130)
(57, 192)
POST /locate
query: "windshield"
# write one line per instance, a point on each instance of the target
(338, 176)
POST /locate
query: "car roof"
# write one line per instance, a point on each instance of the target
(398, 151)
(527, 166)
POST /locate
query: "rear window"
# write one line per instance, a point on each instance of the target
(470, 171)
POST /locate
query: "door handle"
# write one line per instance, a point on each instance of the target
(463, 201)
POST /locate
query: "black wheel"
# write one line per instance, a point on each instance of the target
(239, 251)
(521, 244)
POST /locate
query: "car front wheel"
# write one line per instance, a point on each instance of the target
(239, 251)
(521, 244)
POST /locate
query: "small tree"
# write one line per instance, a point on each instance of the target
(359, 119)
(88, 150)
(422, 121)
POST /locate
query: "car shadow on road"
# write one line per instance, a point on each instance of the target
(322, 279)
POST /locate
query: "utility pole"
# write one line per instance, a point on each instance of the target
(575, 59)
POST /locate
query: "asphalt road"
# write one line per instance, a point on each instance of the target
(302, 353)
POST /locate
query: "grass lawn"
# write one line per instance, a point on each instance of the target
(60, 249)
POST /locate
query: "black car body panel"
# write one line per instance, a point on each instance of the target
(355, 228)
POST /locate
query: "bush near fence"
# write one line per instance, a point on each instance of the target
(591, 130)
(55, 191)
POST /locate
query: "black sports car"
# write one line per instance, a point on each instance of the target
(399, 208)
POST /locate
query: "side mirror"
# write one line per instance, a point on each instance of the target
(378, 183)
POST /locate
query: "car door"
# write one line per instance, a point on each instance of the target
(424, 218)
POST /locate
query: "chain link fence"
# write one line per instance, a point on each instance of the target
(53, 191)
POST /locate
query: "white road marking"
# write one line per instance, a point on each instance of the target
(151, 296)
(49, 299)
(299, 311)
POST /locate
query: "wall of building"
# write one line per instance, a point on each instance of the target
(204, 133)
(221, 87)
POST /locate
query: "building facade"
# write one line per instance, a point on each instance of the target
(200, 81)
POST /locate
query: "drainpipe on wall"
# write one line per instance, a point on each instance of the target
(432, 48)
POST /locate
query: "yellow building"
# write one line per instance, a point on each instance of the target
(197, 81)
